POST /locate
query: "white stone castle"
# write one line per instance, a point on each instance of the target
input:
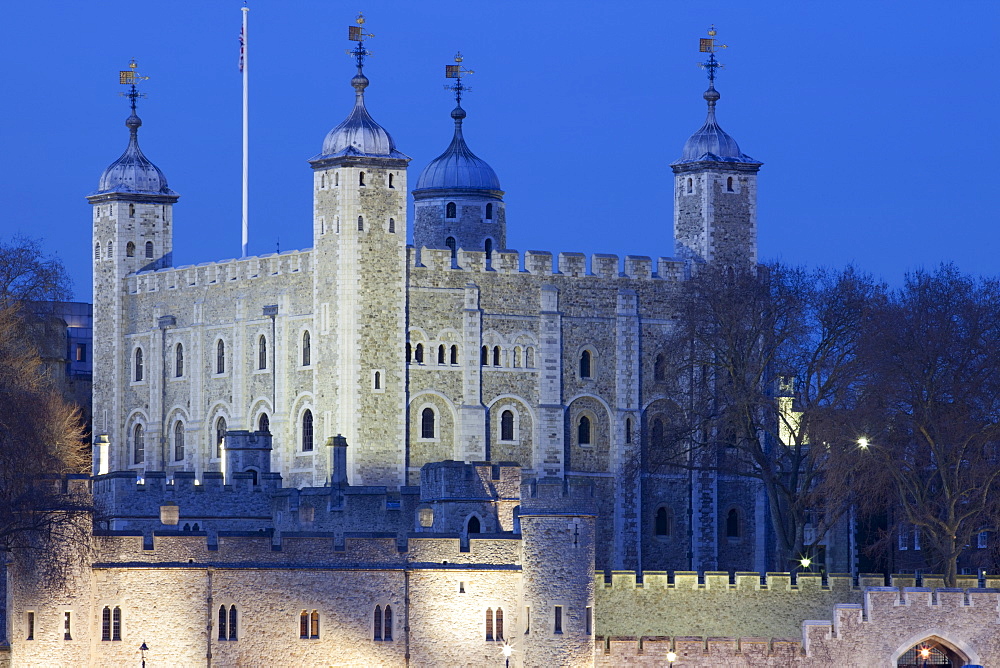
(369, 453)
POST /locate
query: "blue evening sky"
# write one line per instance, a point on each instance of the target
(876, 121)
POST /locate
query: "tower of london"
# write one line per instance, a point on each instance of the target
(369, 452)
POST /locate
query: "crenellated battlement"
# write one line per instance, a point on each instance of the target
(543, 263)
(224, 271)
(482, 481)
(783, 582)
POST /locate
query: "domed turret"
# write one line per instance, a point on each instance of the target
(359, 134)
(711, 142)
(458, 203)
(458, 168)
(133, 173)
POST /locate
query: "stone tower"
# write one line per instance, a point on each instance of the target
(359, 294)
(458, 202)
(557, 561)
(715, 195)
(132, 232)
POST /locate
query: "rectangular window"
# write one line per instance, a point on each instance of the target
(31, 626)
(916, 539)
(527, 619)
(903, 535)
(67, 635)
(558, 625)
(81, 352)
(981, 543)
(590, 620)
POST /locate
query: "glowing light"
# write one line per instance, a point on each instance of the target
(507, 650)
(806, 562)
(863, 443)
(671, 656)
(925, 653)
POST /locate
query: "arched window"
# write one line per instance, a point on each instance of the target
(484, 356)
(489, 249)
(628, 430)
(262, 352)
(661, 525)
(130, 249)
(390, 181)
(178, 441)
(111, 250)
(336, 179)
(690, 188)
(427, 423)
(585, 364)
(138, 445)
(314, 624)
(377, 623)
(220, 435)
(529, 357)
(660, 368)
(441, 354)
(729, 184)
(106, 623)
(472, 526)
(409, 352)
(583, 431)
(450, 243)
(392, 226)
(232, 623)
(450, 210)
(307, 431)
(418, 354)
(377, 380)
(306, 351)
(179, 360)
(489, 623)
(361, 179)
(264, 423)
(223, 623)
(322, 180)
(149, 250)
(138, 364)
(507, 426)
(361, 223)
(304, 625)
(116, 623)
(498, 625)
(489, 211)
(454, 354)
(733, 523)
(97, 251)
(220, 357)
(496, 355)
(387, 621)
(518, 357)
(131, 210)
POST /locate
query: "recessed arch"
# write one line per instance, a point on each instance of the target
(961, 649)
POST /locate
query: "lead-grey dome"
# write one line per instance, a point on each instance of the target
(711, 143)
(359, 134)
(133, 172)
(458, 167)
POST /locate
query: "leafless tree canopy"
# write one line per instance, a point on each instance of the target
(26, 274)
(931, 409)
(762, 363)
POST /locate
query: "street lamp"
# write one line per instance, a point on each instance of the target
(143, 649)
(671, 657)
(863, 443)
(925, 653)
(507, 650)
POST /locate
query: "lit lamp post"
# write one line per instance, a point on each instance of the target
(143, 649)
(507, 650)
(671, 657)
(925, 653)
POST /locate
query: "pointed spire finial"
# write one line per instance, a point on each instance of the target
(130, 78)
(457, 71)
(357, 34)
(709, 46)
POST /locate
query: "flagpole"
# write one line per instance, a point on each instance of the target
(246, 135)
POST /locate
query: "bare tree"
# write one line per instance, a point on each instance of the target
(931, 409)
(27, 274)
(761, 363)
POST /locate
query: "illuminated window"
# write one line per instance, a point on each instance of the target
(307, 431)
(81, 352)
(67, 626)
(314, 624)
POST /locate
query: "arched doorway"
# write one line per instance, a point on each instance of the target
(932, 652)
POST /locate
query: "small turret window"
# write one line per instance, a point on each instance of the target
(361, 223)
(97, 251)
(690, 187)
(322, 180)
(489, 211)
(111, 250)
(489, 249)
(450, 211)
(392, 226)
(336, 179)
(729, 184)
(361, 178)
(377, 380)
(450, 243)
(149, 249)
(130, 249)
(306, 349)
(390, 182)
(131, 210)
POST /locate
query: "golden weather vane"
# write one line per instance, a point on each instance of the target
(710, 46)
(456, 71)
(130, 78)
(357, 34)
